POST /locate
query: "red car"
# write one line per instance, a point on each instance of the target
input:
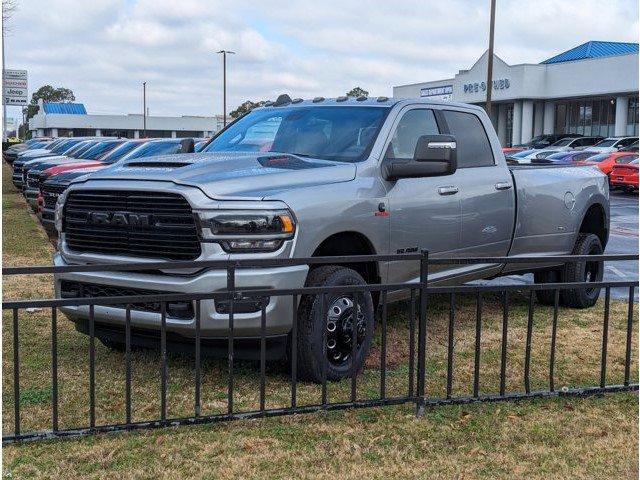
(606, 161)
(625, 175)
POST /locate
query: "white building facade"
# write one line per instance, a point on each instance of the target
(64, 119)
(590, 90)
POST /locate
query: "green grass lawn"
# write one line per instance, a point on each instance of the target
(592, 437)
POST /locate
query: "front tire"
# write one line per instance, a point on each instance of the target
(584, 271)
(334, 323)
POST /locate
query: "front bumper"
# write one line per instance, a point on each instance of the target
(213, 324)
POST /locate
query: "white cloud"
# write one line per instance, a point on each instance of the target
(104, 49)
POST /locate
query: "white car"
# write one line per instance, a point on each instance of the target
(528, 155)
(613, 144)
(569, 143)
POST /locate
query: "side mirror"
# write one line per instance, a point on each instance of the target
(435, 155)
(187, 146)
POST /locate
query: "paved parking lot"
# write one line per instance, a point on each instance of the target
(623, 239)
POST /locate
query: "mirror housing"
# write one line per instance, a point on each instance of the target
(187, 146)
(435, 155)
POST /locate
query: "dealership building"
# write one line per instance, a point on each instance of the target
(71, 119)
(591, 89)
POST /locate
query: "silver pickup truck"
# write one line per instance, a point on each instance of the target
(327, 177)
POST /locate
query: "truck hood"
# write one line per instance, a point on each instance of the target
(232, 175)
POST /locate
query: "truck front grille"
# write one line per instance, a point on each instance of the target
(33, 179)
(50, 194)
(131, 223)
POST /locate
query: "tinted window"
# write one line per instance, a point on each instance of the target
(606, 143)
(626, 159)
(159, 147)
(411, 126)
(563, 143)
(626, 141)
(471, 139)
(99, 149)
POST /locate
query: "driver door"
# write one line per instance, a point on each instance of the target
(425, 213)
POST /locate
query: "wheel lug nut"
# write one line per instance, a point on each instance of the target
(331, 326)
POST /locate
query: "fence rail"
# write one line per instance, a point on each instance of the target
(419, 294)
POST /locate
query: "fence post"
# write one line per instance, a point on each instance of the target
(422, 333)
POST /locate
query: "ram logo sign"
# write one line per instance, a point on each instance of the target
(119, 219)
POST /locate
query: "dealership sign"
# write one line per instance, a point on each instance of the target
(500, 84)
(444, 92)
(14, 87)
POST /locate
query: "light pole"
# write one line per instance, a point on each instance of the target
(224, 85)
(144, 109)
(490, 58)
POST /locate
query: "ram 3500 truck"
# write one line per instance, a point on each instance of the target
(324, 177)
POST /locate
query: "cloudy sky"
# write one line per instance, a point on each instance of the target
(104, 49)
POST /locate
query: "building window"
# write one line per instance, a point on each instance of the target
(188, 133)
(586, 117)
(157, 133)
(632, 117)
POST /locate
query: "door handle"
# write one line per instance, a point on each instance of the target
(448, 190)
(503, 186)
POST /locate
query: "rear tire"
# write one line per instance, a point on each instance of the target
(335, 321)
(547, 297)
(584, 271)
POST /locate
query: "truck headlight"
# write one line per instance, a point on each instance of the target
(58, 213)
(247, 230)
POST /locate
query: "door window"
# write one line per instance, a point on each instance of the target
(411, 126)
(473, 148)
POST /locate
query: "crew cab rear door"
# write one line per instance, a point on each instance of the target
(485, 189)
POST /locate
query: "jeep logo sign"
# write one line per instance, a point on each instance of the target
(499, 84)
(119, 219)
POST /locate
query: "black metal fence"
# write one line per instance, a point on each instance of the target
(419, 295)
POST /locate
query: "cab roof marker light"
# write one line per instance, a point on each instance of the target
(268, 104)
(296, 100)
(318, 99)
(342, 99)
(283, 99)
(361, 98)
(383, 99)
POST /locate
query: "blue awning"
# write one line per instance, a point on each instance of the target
(65, 108)
(594, 49)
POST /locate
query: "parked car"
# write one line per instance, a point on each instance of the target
(579, 143)
(10, 154)
(625, 175)
(564, 158)
(333, 178)
(61, 147)
(546, 140)
(606, 161)
(527, 156)
(613, 144)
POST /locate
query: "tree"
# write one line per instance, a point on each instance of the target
(357, 92)
(48, 94)
(245, 107)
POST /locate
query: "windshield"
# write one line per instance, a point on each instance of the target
(548, 154)
(331, 133)
(79, 148)
(160, 147)
(119, 152)
(556, 156)
(563, 143)
(599, 158)
(606, 143)
(521, 154)
(99, 149)
(55, 144)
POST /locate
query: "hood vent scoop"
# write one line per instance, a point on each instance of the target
(157, 164)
